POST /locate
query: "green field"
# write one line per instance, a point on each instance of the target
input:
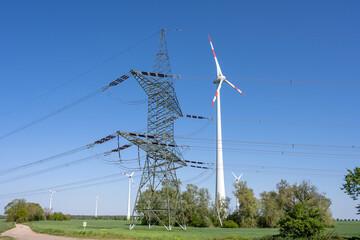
(5, 226)
(119, 229)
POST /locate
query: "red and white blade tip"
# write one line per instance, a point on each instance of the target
(214, 98)
(235, 87)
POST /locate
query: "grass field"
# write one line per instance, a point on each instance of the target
(119, 229)
(5, 226)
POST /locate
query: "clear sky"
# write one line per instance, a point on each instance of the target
(297, 62)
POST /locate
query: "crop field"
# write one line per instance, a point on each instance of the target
(5, 226)
(119, 229)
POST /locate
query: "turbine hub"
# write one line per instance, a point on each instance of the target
(219, 79)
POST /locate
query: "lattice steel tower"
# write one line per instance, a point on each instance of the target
(158, 197)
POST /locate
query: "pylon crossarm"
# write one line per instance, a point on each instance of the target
(150, 145)
(159, 92)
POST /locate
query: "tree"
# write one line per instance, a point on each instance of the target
(246, 215)
(270, 209)
(196, 204)
(12, 208)
(36, 213)
(301, 222)
(352, 185)
(22, 215)
(275, 204)
(33, 211)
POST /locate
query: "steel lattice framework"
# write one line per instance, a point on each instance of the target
(158, 197)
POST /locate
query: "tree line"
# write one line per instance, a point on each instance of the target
(20, 211)
(267, 211)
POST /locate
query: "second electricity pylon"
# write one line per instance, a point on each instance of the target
(158, 197)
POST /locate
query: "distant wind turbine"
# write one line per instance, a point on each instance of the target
(220, 78)
(237, 179)
(51, 194)
(96, 207)
(130, 181)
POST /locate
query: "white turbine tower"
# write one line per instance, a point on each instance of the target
(51, 194)
(130, 181)
(237, 179)
(220, 78)
(96, 206)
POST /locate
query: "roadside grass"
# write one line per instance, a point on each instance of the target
(107, 229)
(4, 226)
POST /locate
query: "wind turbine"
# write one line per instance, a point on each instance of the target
(220, 78)
(96, 207)
(51, 194)
(130, 181)
(237, 179)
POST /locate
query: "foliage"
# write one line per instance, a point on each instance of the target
(275, 204)
(196, 206)
(22, 215)
(230, 224)
(352, 185)
(247, 214)
(270, 209)
(19, 210)
(12, 208)
(36, 213)
(58, 216)
(301, 222)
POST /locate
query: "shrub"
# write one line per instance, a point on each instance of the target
(21, 215)
(301, 222)
(230, 224)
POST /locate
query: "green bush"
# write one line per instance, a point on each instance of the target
(301, 222)
(230, 224)
(21, 215)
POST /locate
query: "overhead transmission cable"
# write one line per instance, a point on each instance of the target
(262, 121)
(279, 81)
(80, 100)
(48, 159)
(61, 186)
(291, 145)
(287, 153)
(80, 75)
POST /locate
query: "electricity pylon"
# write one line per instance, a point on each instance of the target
(158, 197)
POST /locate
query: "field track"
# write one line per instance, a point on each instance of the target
(22, 232)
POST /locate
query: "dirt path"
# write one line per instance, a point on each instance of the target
(22, 232)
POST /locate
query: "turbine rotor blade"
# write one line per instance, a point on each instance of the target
(124, 173)
(234, 175)
(133, 172)
(218, 70)
(240, 176)
(234, 87)
(217, 92)
(133, 183)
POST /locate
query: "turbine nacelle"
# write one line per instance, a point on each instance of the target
(219, 79)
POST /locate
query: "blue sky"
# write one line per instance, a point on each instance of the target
(261, 47)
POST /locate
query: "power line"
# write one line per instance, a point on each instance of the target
(21, 167)
(66, 107)
(295, 34)
(48, 159)
(60, 186)
(291, 145)
(80, 75)
(278, 81)
(288, 153)
(68, 164)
